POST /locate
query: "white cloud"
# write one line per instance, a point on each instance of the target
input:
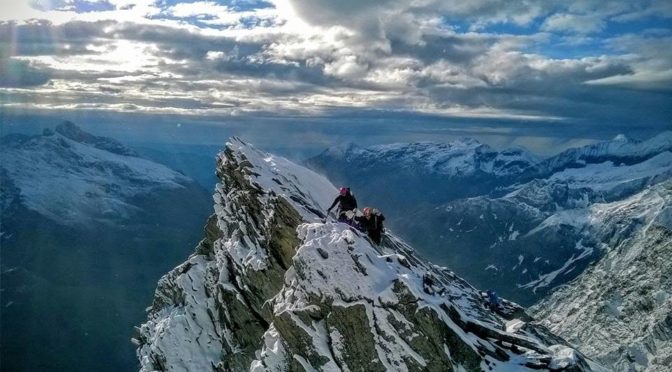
(347, 67)
(214, 14)
(19, 10)
(650, 58)
(453, 76)
(573, 23)
(212, 55)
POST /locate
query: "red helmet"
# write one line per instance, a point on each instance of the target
(343, 190)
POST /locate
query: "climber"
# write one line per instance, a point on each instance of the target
(372, 223)
(347, 205)
(493, 300)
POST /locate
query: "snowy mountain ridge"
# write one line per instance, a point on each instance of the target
(627, 293)
(73, 177)
(272, 287)
(87, 228)
(69, 130)
(464, 157)
(603, 224)
(468, 156)
(620, 150)
(563, 210)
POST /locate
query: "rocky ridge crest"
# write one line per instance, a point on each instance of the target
(272, 287)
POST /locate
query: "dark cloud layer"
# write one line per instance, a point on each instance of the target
(43, 38)
(18, 74)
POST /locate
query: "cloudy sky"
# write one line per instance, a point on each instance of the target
(566, 63)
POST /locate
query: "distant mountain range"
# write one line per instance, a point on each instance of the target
(87, 228)
(503, 219)
(407, 174)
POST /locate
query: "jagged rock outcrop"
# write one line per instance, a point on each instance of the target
(70, 130)
(273, 287)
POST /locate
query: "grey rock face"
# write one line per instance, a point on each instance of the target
(620, 309)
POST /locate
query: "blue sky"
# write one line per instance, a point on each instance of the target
(580, 66)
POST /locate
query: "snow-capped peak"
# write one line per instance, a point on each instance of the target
(310, 193)
(272, 287)
(618, 150)
(626, 294)
(77, 181)
(71, 131)
(620, 138)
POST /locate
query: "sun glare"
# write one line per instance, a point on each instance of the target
(20, 10)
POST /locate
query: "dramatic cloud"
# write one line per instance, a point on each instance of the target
(590, 61)
(650, 57)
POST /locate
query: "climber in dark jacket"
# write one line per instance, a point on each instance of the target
(493, 301)
(372, 222)
(346, 203)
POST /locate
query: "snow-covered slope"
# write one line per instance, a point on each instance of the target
(273, 288)
(620, 309)
(86, 230)
(69, 130)
(75, 178)
(512, 234)
(462, 158)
